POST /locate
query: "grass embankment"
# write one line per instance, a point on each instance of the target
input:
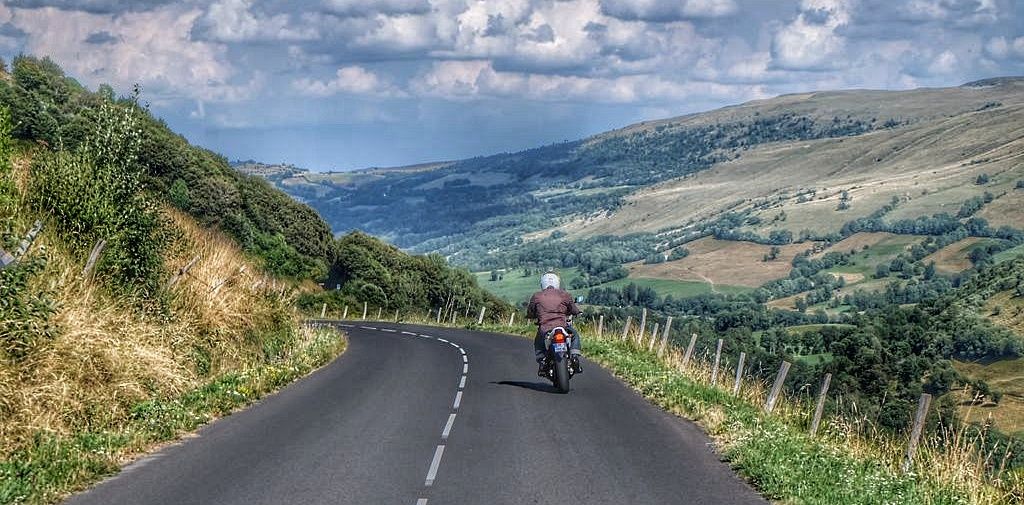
(848, 462)
(92, 374)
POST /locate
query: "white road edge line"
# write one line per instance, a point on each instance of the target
(387, 330)
(408, 333)
(462, 383)
(442, 340)
(465, 359)
(368, 327)
(432, 473)
(458, 400)
(465, 368)
(448, 427)
(463, 351)
(421, 501)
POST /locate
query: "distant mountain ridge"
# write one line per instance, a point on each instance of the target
(796, 154)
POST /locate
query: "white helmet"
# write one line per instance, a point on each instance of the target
(549, 280)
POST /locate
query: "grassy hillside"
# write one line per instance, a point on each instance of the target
(54, 112)
(820, 160)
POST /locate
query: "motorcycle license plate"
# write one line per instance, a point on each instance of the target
(561, 347)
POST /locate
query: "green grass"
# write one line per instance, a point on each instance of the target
(53, 466)
(866, 261)
(676, 288)
(516, 288)
(779, 459)
(1009, 254)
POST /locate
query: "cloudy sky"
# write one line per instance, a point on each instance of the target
(337, 84)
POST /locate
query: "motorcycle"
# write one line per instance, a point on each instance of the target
(559, 367)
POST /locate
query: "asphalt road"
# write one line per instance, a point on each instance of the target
(406, 418)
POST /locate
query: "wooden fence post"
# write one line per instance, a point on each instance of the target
(654, 336)
(718, 360)
(184, 270)
(600, 326)
(380, 311)
(511, 318)
(28, 240)
(454, 314)
(689, 350)
(915, 434)
(664, 336)
(780, 378)
(625, 329)
(345, 315)
(323, 311)
(820, 407)
(739, 374)
(396, 315)
(93, 257)
(364, 311)
(439, 315)
(643, 326)
(480, 320)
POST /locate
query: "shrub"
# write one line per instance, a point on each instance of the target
(95, 192)
(25, 312)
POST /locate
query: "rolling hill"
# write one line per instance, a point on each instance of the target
(817, 160)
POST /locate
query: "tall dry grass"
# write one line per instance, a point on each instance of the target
(111, 353)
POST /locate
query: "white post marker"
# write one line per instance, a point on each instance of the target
(439, 315)
(511, 318)
(364, 311)
(600, 326)
(739, 374)
(323, 311)
(780, 379)
(915, 435)
(664, 336)
(380, 311)
(689, 350)
(718, 359)
(345, 315)
(480, 320)
(643, 325)
(820, 407)
(654, 336)
(625, 329)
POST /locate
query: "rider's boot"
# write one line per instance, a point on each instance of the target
(542, 368)
(576, 365)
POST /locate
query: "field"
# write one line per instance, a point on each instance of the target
(678, 289)
(1005, 210)
(1009, 254)
(517, 288)
(1006, 310)
(723, 262)
(954, 258)
(1006, 377)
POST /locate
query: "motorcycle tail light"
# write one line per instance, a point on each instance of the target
(559, 337)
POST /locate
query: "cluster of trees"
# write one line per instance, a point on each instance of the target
(973, 205)
(57, 112)
(379, 274)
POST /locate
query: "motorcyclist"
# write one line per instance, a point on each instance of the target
(551, 307)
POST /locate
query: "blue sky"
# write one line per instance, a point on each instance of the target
(339, 84)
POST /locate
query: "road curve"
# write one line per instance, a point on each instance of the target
(419, 415)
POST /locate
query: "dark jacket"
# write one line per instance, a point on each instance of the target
(550, 308)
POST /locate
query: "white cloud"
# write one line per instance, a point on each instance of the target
(460, 80)
(365, 8)
(811, 41)
(353, 80)
(1001, 48)
(668, 10)
(945, 63)
(235, 21)
(153, 49)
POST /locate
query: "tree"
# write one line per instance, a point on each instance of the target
(982, 180)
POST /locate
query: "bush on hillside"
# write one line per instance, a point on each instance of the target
(95, 192)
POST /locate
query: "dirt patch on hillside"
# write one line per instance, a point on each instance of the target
(953, 258)
(856, 242)
(725, 262)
